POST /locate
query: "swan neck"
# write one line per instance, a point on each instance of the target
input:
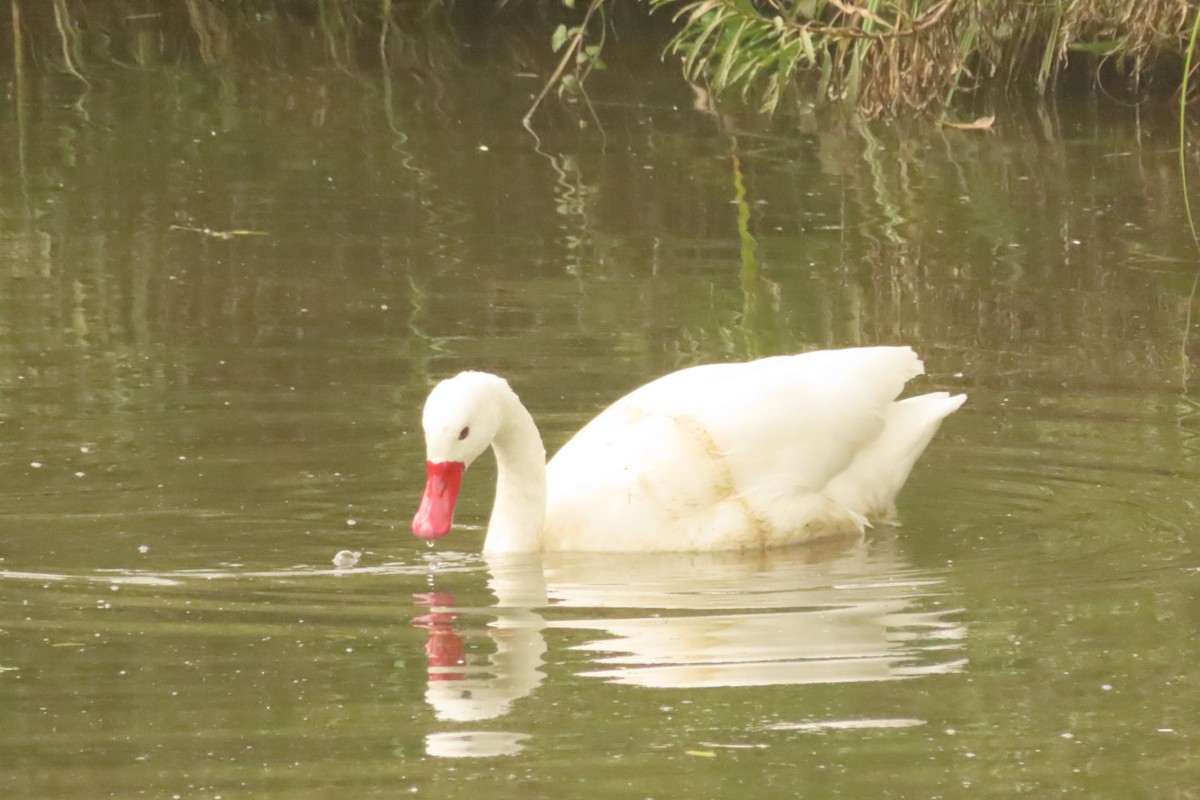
(520, 508)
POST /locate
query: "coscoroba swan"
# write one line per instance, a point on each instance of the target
(718, 457)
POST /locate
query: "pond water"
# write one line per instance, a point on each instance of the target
(229, 276)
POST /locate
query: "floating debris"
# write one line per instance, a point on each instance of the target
(217, 234)
(346, 558)
(821, 726)
(980, 124)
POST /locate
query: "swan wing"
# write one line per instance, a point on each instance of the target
(725, 452)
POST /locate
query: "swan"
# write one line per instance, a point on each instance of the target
(730, 456)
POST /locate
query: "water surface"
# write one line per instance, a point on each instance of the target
(227, 283)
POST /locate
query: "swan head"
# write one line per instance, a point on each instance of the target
(462, 416)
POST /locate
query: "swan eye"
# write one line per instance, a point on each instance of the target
(464, 433)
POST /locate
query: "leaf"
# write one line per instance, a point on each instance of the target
(806, 42)
(720, 80)
(700, 9)
(1099, 48)
(770, 98)
(701, 753)
(693, 62)
(558, 39)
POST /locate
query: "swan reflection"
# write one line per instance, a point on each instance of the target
(842, 611)
(463, 692)
(474, 744)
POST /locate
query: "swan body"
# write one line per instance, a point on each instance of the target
(747, 455)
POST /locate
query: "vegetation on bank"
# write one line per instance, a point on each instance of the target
(881, 57)
(887, 57)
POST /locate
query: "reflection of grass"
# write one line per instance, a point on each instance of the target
(748, 245)
(68, 31)
(77, 36)
(19, 96)
(873, 155)
(1185, 362)
(993, 274)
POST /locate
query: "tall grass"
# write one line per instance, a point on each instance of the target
(887, 57)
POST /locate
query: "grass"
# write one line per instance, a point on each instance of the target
(889, 57)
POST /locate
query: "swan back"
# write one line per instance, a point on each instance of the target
(747, 455)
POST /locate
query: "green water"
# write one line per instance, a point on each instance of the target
(226, 287)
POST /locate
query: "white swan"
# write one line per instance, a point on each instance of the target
(718, 457)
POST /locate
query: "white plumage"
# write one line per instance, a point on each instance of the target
(717, 457)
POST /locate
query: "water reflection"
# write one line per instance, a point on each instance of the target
(850, 610)
(229, 401)
(463, 692)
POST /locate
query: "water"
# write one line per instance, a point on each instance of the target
(228, 286)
